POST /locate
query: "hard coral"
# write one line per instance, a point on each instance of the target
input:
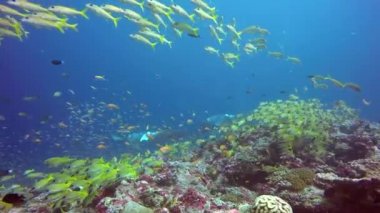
(271, 204)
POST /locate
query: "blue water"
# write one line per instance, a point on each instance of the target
(337, 38)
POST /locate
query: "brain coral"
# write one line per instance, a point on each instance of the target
(271, 204)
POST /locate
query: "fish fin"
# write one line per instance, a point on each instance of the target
(115, 21)
(191, 17)
(83, 13)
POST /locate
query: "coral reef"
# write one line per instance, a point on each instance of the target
(269, 203)
(239, 170)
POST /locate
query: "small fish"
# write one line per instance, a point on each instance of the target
(22, 114)
(39, 22)
(181, 11)
(134, 2)
(294, 60)
(101, 146)
(62, 125)
(204, 5)
(71, 91)
(276, 54)
(166, 149)
(157, 4)
(204, 15)
(58, 161)
(353, 86)
(102, 12)
(251, 30)
(57, 62)
(233, 30)
(152, 34)
(57, 94)
(160, 20)
(65, 75)
(215, 34)
(212, 50)
(365, 102)
(99, 77)
(146, 23)
(30, 98)
(7, 177)
(10, 33)
(112, 8)
(10, 11)
(249, 48)
(191, 31)
(112, 106)
(28, 6)
(143, 39)
(131, 15)
(68, 11)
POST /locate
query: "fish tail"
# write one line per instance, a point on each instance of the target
(220, 40)
(153, 45)
(17, 27)
(170, 44)
(141, 5)
(162, 39)
(196, 31)
(169, 17)
(215, 19)
(83, 13)
(179, 33)
(157, 26)
(231, 64)
(73, 27)
(26, 33)
(115, 21)
(191, 17)
(213, 10)
(171, 11)
(19, 36)
(239, 34)
(59, 27)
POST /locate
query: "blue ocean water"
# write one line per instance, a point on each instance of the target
(336, 38)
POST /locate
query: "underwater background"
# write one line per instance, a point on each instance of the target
(168, 86)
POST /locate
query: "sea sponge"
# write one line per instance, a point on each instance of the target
(271, 204)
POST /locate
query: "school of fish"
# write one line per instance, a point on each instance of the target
(230, 41)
